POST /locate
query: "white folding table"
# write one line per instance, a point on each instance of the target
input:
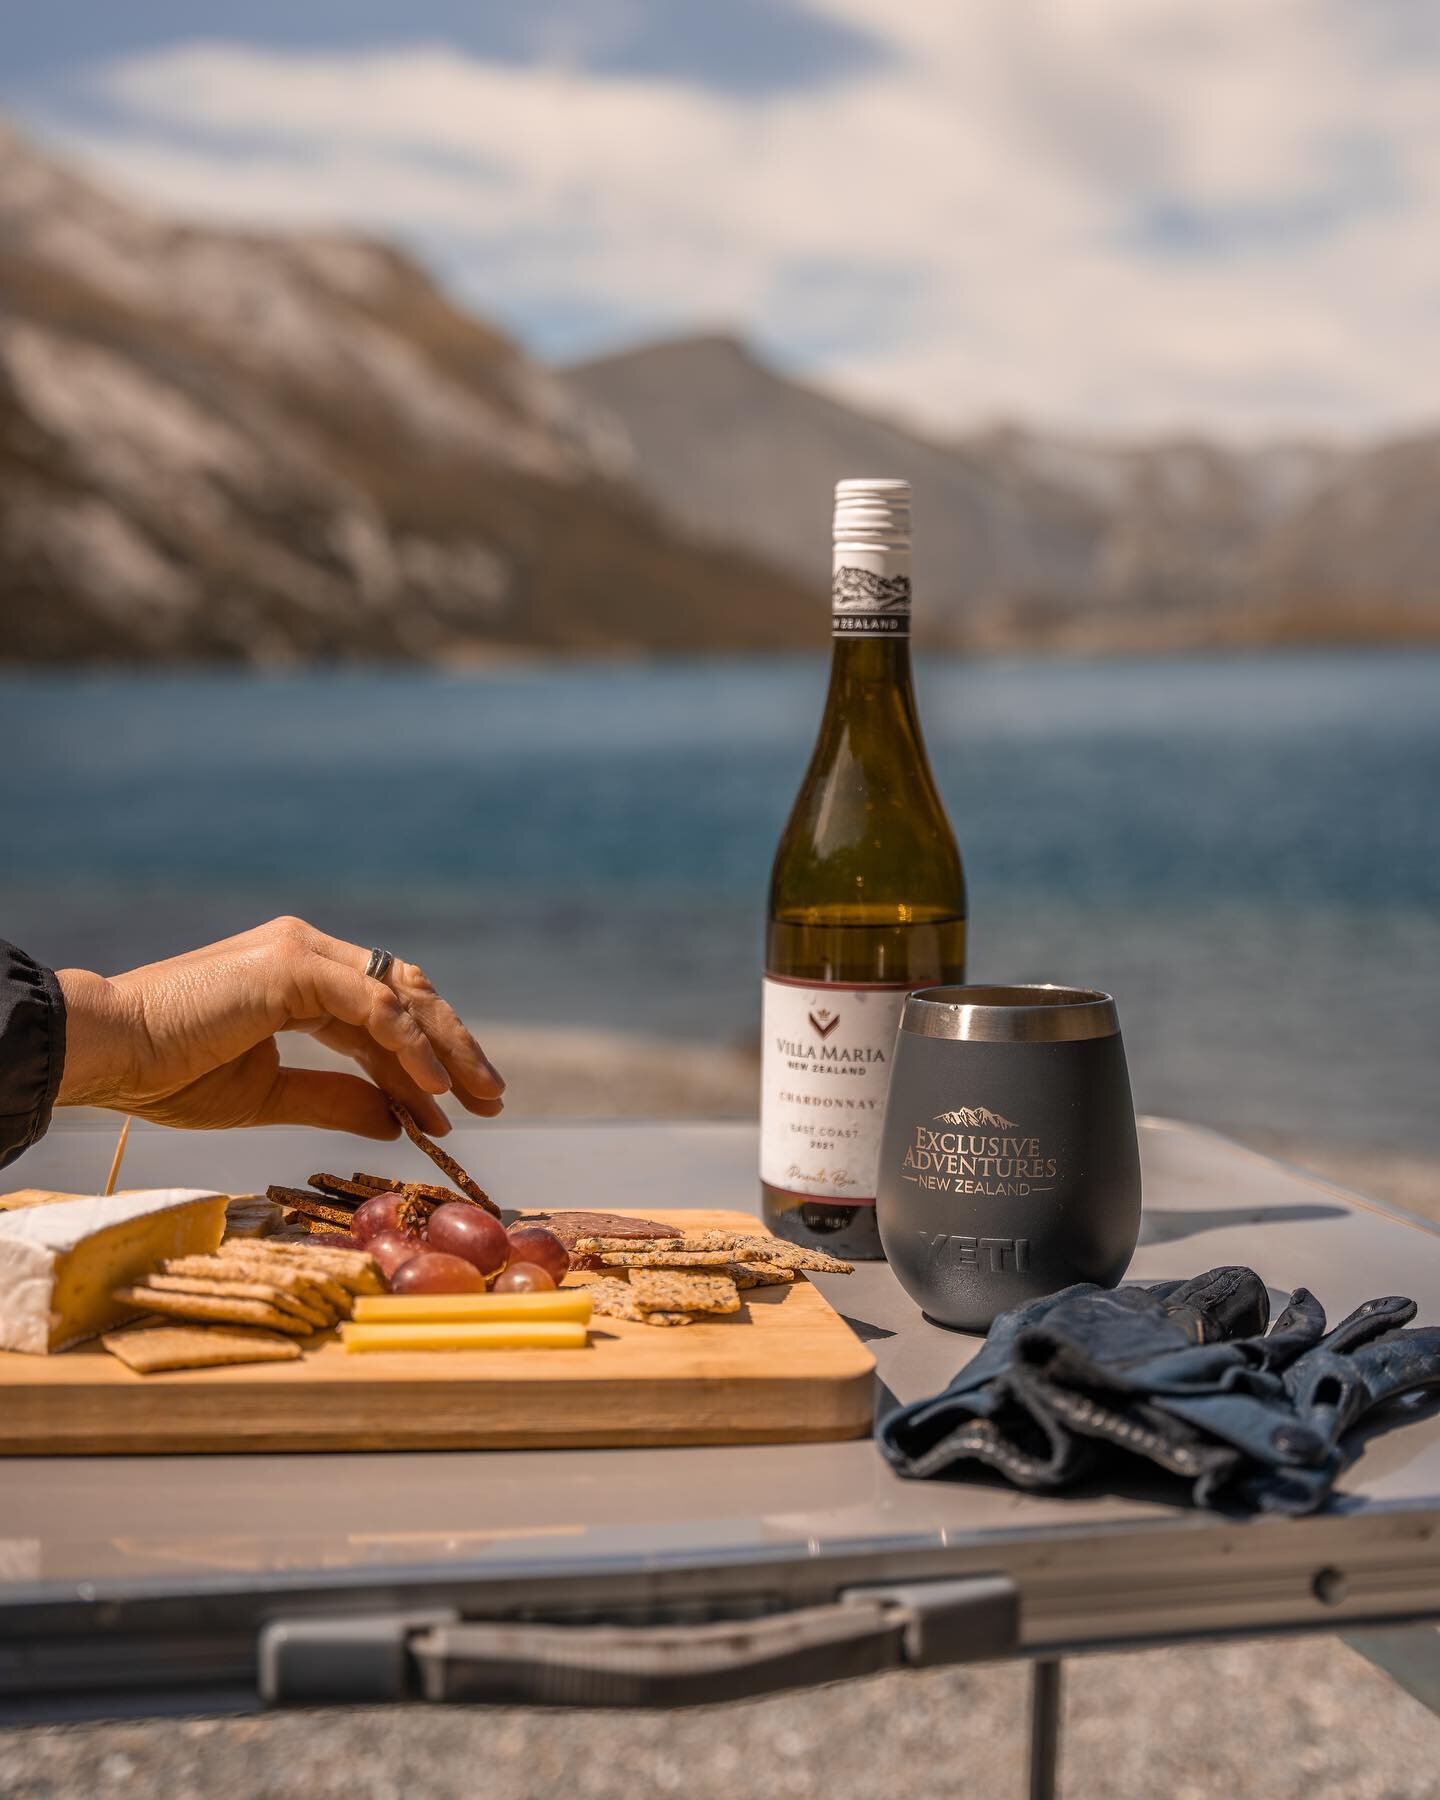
(152, 1584)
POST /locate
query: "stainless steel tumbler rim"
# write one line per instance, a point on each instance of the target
(1033, 1013)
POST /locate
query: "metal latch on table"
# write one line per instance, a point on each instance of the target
(440, 1657)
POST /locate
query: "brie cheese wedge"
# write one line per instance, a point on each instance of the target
(60, 1265)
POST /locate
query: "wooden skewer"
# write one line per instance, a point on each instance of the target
(118, 1158)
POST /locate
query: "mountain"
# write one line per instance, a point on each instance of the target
(1027, 539)
(267, 447)
(224, 445)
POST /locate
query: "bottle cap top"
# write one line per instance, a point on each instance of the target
(872, 512)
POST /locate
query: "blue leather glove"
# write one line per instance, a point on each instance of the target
(1180, 1375)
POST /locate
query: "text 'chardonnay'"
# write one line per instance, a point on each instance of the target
(867, 898)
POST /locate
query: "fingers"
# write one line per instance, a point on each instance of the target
(470, 1073)
(386, 1070)
(474, 1073)
(334, 1101)
(350, 996)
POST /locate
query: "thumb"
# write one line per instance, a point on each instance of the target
(327, 1098)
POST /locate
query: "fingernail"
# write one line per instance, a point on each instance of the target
(495, 1075)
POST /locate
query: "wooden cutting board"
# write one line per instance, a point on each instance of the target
(784, 1369)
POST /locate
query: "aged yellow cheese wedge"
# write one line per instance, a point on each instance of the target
(60, 1265)
(571, 1305)
(442, 1335)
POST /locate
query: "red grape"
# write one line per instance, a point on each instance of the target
(524, 1278)
(432, 1272)
(336, 1240)
(534, 1244)
(388, 1212)
(469, 1232)
(390, 1249)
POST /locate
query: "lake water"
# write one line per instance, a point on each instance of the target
(1245, 852)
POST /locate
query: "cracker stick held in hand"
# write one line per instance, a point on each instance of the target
(470, 1188)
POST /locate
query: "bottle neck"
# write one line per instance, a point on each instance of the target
(859, 665)
(870, 617)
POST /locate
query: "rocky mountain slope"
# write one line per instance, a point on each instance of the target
(215, 445)
(1024, 539)
(218, 445)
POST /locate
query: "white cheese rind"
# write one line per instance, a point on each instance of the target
(60, 1264)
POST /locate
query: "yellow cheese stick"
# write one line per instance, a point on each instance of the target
(570, 1306)
(439, 1334)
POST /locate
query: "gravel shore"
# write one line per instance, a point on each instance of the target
(1303, 1720)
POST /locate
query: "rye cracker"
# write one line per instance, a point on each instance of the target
(615, 1299)
(153, 1348)
(412, 1190)
(313, 1206)
(443, 1160)
(340, 1187)
(214, 1309)
(680, 1290)
(234, 1287)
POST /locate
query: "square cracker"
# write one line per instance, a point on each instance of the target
(681, 1290)
(214, 1309)
(615, 1299)
(232, 1284)
(236, 1262)
(758, 1274)
(678, 1258)
(152, 1348)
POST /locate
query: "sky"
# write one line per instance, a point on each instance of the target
(1121, 217)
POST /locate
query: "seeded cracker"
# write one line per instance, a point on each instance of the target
(675, 1290)
(211, 1308)
(680, 1258)
(758, 1274)
(614, 1299)
(153, 1348)
(763, 1248)
(442, 1160)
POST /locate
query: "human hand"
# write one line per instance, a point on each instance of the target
(191, 1041)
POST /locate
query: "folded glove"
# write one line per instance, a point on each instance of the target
(1179, 1373)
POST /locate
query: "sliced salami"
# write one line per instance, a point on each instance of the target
(569, 1227)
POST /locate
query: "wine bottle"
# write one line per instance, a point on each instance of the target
(867, 898)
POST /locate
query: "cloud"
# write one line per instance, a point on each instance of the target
(1119, 214)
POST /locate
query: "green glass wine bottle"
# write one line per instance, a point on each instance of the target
(867, 898)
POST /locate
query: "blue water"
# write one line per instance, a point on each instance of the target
(1247, 852)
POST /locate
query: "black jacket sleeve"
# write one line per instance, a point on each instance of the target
(32, 1049)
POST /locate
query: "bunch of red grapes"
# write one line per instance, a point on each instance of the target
(456, 1249)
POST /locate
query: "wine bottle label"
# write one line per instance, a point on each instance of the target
(825, 1074)
(865, 603)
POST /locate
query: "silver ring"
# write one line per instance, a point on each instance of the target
(378, 966)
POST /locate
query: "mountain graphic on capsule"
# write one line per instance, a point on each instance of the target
(972, 1116)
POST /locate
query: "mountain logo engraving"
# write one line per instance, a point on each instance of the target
(823, 1021)
(858, 590)
(974, 1115)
